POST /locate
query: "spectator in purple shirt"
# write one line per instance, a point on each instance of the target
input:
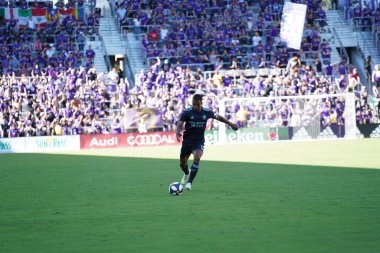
(116, 126)
(14, 131)
(367, 18)
(90, 54)
(357, 14)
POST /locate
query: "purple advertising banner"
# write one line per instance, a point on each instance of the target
(144, 118)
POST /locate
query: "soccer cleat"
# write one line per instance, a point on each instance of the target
(185, 178)
(188, 186)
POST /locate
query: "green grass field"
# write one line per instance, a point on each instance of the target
(87, 203)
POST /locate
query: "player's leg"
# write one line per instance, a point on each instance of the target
(183, 163)
(184, 157)
(197, 154)
(185, 168)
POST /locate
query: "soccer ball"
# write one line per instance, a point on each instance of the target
(175, 189)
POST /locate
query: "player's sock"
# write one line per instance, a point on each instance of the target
(194, 171)
(185, 169)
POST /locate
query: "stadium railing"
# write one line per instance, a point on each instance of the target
(342, 50)
(105, 54)
(246, 73)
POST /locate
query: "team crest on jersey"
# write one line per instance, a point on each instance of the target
(192, 117)
(204, 117)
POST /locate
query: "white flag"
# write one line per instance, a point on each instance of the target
(292, 23)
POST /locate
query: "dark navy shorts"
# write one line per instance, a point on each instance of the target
(189, 147)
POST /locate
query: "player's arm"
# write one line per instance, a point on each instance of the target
(226, 121)
(179, 130)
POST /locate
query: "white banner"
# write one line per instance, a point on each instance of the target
(12, 145)
(39, 144)
(292, 23)
(53, 143)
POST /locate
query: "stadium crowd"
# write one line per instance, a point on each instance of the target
(365, 16)
(48, 97)
(211, 34)
(59, 44)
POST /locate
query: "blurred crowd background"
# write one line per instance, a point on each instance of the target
(49, 85)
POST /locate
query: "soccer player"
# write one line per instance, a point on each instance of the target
(195, 118)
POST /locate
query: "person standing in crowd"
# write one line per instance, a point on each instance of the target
(293, 64)
(354, 79)
(368, 67)
(318, 66)
(334, 4)
(376, 80)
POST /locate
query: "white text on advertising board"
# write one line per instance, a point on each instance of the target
(235, 137)
(151, 139)
(108, 142)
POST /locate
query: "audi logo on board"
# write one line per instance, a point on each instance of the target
(127, 140)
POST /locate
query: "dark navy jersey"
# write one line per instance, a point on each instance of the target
(195, 123)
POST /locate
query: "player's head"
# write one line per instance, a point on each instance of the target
(197, 102)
